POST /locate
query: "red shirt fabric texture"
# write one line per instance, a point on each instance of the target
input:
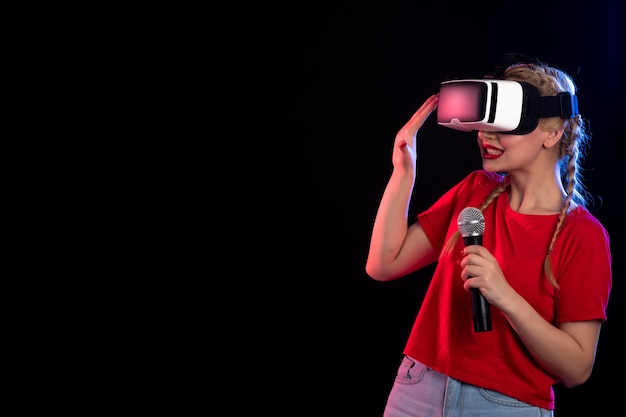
(443, 336)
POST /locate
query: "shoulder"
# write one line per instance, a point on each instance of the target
(584, 234)
(581, 221)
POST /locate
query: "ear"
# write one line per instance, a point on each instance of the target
(552, 138)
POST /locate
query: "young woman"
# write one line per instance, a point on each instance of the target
(544, 267)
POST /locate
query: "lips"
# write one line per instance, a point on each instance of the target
(491, 152)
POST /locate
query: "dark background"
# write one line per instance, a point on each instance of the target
(259, 149)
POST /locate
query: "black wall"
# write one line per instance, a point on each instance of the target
(260, 146)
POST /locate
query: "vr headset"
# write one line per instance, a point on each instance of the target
(495, 105)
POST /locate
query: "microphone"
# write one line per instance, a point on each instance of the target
(471, 224)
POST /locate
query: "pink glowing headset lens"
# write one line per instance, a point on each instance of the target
(462, 101)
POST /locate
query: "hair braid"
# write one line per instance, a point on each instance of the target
(571, 153)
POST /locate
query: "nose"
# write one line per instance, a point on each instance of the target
(483, 135)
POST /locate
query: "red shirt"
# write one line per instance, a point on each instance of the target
(443, 337)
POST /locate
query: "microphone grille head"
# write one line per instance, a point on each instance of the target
(471, 222)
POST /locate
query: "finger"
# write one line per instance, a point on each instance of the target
(471, 249)
(424, 111)
(471, 259)
(469, 272)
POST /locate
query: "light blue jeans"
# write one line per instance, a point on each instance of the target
(419, 391)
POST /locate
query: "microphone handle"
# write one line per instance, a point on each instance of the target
(481, 309)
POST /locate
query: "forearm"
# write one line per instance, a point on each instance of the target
(568, 356)
(391, 224)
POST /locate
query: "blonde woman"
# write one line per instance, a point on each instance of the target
(543, 267)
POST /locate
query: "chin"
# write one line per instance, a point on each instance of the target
(491, 168)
